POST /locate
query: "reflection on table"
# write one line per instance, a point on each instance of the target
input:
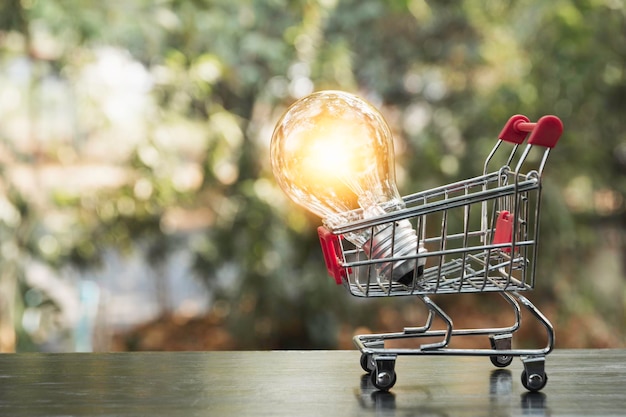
(312, 383)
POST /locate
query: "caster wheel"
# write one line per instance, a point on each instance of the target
(535, 382)
(383, 380)
(366, 363)
(501, 361)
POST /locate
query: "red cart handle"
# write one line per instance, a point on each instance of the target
(510, 132)
(545, 132)
(332, 254)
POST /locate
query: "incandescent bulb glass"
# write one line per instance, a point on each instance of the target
(332, 153)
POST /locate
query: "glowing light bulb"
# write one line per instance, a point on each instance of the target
(332, 153)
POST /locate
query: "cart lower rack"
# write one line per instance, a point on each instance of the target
(473, 236)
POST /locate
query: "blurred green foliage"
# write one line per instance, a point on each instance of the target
(148, 122)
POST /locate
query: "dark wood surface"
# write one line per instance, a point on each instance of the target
(310, 383)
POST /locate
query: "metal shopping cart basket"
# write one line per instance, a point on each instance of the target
(482, 236)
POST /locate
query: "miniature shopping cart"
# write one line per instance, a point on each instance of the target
(475, 236)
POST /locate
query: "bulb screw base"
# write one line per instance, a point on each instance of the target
(391, 242)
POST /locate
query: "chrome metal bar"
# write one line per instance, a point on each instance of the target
(452, 202)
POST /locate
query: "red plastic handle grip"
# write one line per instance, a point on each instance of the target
(510, 132)
(546, 132)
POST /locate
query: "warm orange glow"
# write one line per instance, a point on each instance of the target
(335, 152)
(332, 152)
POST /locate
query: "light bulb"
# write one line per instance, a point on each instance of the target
(332, 153)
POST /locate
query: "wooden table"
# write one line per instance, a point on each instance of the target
(296, 383)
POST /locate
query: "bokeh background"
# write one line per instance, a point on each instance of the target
(137, 206)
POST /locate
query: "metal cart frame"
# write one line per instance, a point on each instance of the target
(484, 240)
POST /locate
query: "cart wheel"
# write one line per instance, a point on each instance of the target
(383, 380)
(534, 382)
(501, 361)
(366, 363)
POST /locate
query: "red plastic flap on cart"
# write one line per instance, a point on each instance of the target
(504, 229)
(332, 253)
(510, 132)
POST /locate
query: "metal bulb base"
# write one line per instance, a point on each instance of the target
(391, 242)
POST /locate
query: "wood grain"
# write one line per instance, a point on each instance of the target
(303, 383)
